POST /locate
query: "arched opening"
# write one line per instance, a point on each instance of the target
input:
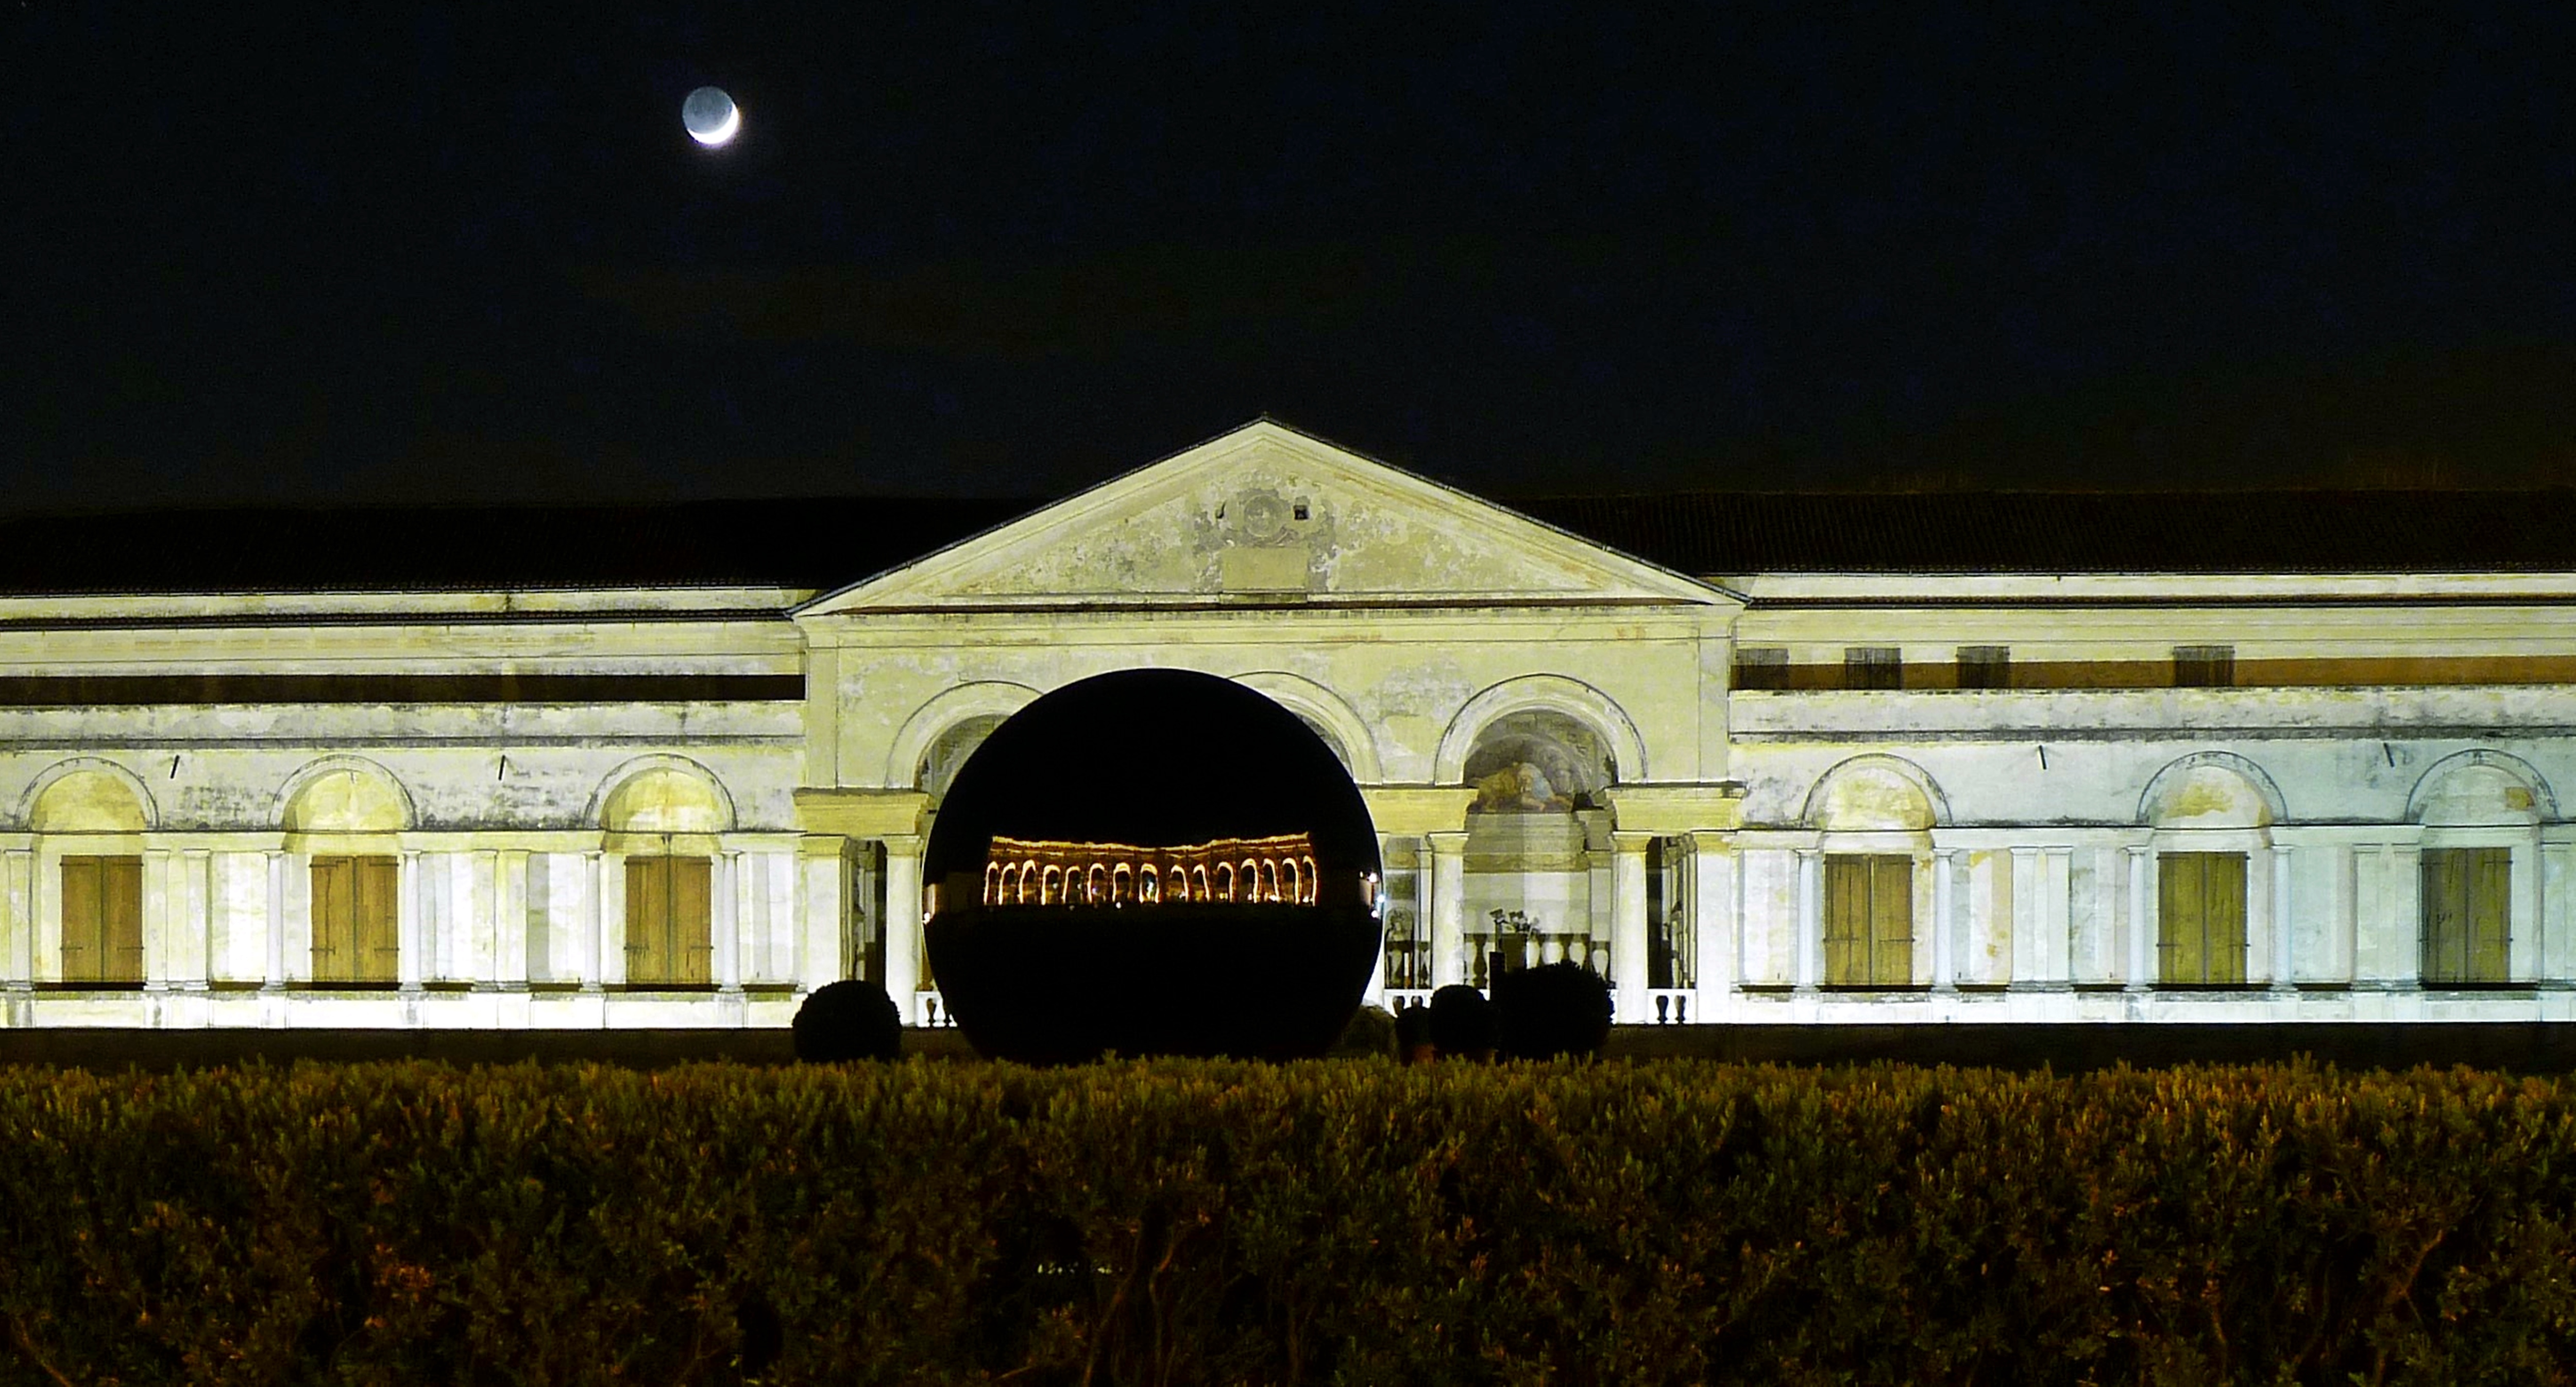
(1875, 817)
(2481, 827)
(2211, 818)
(665, 820)
(91, 820)
(345, 818)
(948, 752)
(1539, 852)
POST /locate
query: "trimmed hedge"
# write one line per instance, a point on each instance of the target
(1335, 1221)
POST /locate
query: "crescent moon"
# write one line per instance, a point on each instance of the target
(731, 127)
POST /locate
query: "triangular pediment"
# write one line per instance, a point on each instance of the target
(1268, 514)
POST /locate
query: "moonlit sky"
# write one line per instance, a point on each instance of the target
(388, 253)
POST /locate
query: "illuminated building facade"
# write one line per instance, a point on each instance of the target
(1754, 757)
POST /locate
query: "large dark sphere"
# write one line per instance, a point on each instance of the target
(1055, 985)
(1152, 758)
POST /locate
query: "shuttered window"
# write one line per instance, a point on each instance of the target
(1762, 667)
(2200, 921)
(2204, 666)
(103, 920)
(1873, 667)
(2468, 894)
(1985, 667)
(669, 931)
(355, 925)
(1869, 920)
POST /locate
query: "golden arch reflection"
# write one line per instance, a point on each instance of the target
(1278, 869)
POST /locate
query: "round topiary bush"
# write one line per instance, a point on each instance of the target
(848, 1020)
(1463, 1022)
(1551, 1010)
(1371, 1032)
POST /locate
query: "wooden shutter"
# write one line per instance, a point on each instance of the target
(2178, 917)
(2200, 926)
(2223, 916)
(648, 919)
(2490, 915)
(375, 933)
(1891, 915)
(669, 920)
(83, 959)
(1846, 920)
(120, 925)
(2468, 911)
(2446, 933)
(692, 920)
(1869, 920)
(334, 914)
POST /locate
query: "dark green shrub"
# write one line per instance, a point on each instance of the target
(848, 1020)
(1319, 1221)
(1370, 1032)
(1551, 1010)
(1463, 1023)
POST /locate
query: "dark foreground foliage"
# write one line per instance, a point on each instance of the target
(1333, 1221)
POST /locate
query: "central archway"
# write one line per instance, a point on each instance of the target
(1152, 862)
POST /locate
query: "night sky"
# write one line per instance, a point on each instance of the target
(374, 252)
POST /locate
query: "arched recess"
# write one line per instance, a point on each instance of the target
(1344, 730)
(2211, 789)
(340, 795)
(1874, 815)
(662, 795)
(343, 815)
(2211, 907)
(87, 794)
(1548, 692)
(1876, 793)
(2477, 788)
(950, 708)
(662, 815)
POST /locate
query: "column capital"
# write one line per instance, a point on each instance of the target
(861, 813)
(1412, 809)
(902, 844)
(1633, 840)
(1451, 843)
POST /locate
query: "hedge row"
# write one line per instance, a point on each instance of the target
(1335, 1221)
